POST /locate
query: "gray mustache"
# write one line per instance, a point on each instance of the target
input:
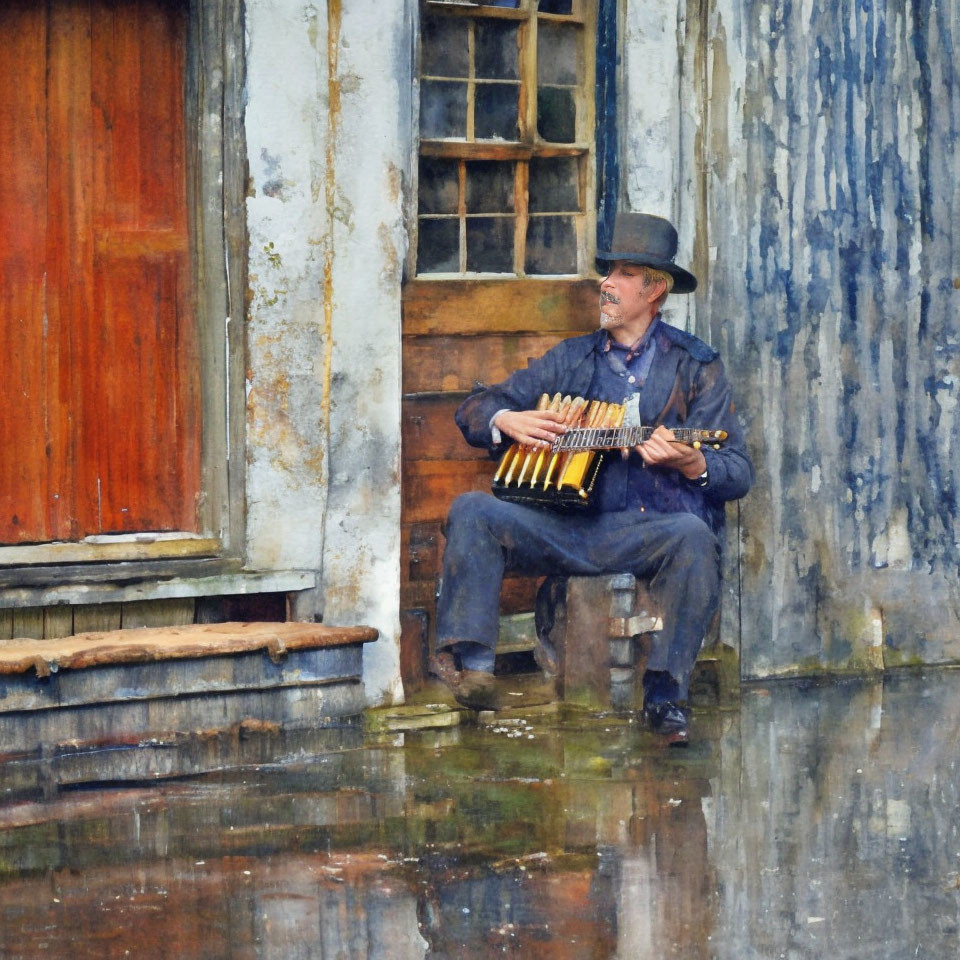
(608, 298)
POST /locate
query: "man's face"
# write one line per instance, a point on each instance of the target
(624, 297)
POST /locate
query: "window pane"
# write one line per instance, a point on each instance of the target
(495, 111)
(438, 246)
(556, 115)
(551, 245)
(495, 50)
(554, 185)
(558, 53)
(437, 187)
(490, 244)
(489, 187)
(556, 6)
(443, 109)
(443, 47)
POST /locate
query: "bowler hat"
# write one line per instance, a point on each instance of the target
(649, 241)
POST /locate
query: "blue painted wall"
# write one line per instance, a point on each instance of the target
(827, 216)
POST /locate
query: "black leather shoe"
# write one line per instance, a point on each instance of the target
(670, 720)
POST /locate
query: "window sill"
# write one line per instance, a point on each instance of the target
(455, 148)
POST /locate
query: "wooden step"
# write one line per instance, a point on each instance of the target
(152, 644)
(110, 686)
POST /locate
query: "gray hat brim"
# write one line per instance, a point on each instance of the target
(683, 280)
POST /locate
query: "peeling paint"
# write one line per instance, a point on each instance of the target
(832, 128)
(286, 444)
(364, 200)
(274, 185)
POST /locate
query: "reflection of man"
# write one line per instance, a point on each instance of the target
(660, 506)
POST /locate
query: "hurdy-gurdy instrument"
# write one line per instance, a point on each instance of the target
(563, 475)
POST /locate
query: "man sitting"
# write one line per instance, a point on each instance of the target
(660, 506)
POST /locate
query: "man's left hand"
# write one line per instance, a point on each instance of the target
(662, 450)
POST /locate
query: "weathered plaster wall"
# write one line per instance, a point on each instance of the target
(848, 332)
(368, 167)
(655, 175)
(826, 197)
(662, 123)
(286, 341)
(328, 145)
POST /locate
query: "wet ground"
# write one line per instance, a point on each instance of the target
(813, 821)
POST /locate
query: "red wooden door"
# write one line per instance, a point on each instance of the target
(99, 369)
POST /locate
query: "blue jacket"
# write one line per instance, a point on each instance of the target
(686, 386)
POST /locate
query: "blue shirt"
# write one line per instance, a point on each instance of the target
(633, 363)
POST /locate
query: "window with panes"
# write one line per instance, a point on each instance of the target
(506, 138)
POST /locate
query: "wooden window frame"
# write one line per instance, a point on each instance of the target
(529, 146)
(216, 177)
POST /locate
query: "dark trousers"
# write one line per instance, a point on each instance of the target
(676, 553)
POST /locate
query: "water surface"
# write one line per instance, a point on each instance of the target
(813, 821)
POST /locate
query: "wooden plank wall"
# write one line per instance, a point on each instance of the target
(42, 623)
(457, 334)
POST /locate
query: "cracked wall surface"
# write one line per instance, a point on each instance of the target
(329, 152)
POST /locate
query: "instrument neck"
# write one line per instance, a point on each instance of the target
(612, 438)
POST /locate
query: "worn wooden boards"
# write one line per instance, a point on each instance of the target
(129, 585)
(151, 644)
(121, 548)
(250, 672)
(118, 686)
(483, 307)
(450, 362)
(98, 352)
(458, 334)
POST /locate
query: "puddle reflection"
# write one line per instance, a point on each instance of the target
(814, 821)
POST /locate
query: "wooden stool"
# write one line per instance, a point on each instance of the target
(599, 628)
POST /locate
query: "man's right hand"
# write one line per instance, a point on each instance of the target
(535, 428)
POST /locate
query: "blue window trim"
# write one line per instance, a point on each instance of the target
(608, 161)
